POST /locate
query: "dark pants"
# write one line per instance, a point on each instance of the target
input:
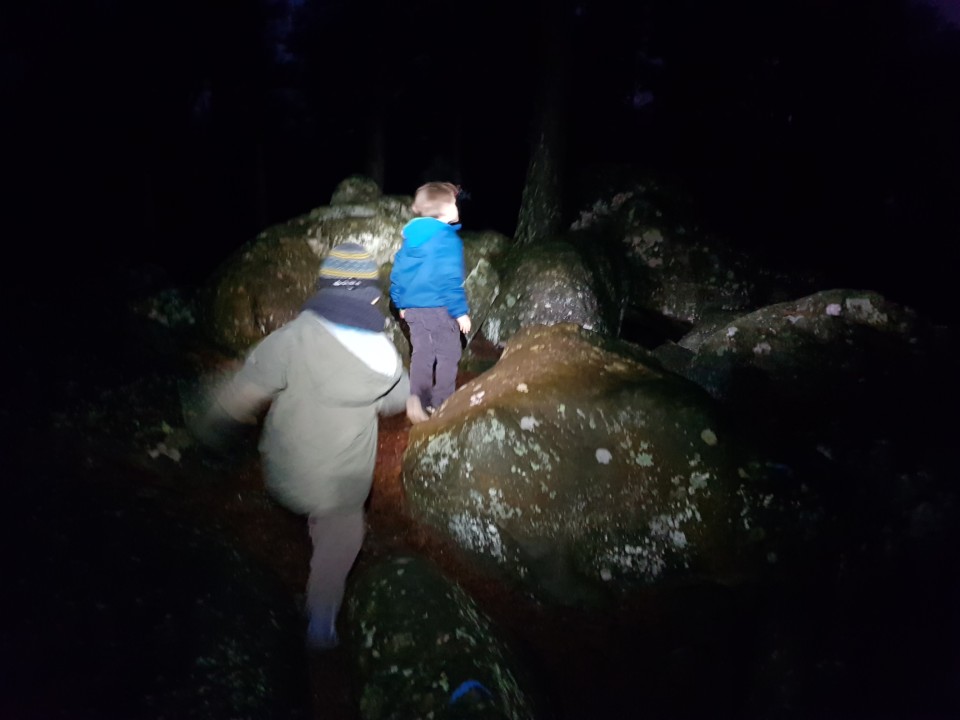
(435, 338)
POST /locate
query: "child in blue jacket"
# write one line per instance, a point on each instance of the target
(426, 285)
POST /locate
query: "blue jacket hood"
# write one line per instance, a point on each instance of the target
(420, 230)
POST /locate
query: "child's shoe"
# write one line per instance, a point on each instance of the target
(322, 633)
(415, 412)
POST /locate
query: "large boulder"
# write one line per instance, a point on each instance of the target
(800, 364)
(424, 649)
(688, 276)
(680, 271)
(260, 288)
(844, 380)
(265, 283)
(547, 284)
(577, 462)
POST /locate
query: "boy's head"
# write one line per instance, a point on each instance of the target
(348, 288)
(437, 200)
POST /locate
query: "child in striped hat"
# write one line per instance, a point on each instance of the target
(326, 376)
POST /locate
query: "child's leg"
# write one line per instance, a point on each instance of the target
(446, 342)
(336, 543)
(422, 353)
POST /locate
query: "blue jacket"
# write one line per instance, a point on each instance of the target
(428, 269)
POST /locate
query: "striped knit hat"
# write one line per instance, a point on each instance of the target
(348, 265)
(348, 289)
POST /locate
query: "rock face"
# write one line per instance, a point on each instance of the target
(578, 463)
(264, 284)
(481, 254)
(546, 284)
(810, 358)
(679, 271)
(423, 649)
(687, 278)
(260, 288)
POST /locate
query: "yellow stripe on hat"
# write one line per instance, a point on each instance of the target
(330, 272)
(347, 255)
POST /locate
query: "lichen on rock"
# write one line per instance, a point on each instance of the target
(547, 284)
(265, 283)
(605, 468)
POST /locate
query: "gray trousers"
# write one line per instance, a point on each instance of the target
(435, 338)
(336, 543)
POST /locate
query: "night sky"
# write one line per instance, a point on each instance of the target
(815, 135)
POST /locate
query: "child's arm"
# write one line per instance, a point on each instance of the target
(242, 397)
(241, 401)
(263, 375)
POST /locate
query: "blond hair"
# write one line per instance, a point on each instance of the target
(430, 198)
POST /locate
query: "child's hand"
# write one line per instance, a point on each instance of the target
(464, 322)
(401, 314)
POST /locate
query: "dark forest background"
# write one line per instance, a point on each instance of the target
(818, 134)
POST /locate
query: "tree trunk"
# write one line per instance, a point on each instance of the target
(541, 210)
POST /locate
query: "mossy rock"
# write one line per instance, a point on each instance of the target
(264, 284)
(260, 288)
(545, 284)
(423, 649)
(678, 269)
(578, 465)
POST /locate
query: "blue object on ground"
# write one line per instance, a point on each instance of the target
(465, 687)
